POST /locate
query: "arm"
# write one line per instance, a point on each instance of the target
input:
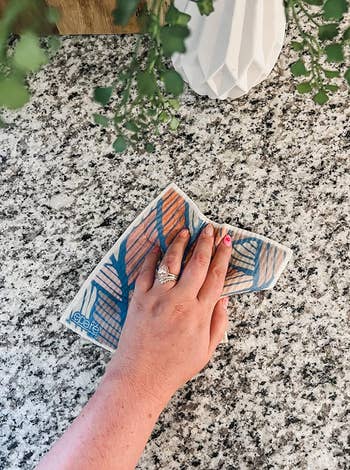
(110, 432)
(170, 334)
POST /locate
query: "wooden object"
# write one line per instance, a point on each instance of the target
(90, 17)
(84, 17)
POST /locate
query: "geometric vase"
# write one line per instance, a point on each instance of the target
(232, 49)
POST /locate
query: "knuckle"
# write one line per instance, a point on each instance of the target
(146, 270)
(218, 272)
(171, 259)
(138, 305)
(201, 258)
(180, 308)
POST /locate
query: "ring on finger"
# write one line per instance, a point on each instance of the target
(163, 274)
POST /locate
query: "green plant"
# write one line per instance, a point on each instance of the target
(322, 45)
(26, 56)
(147, 91)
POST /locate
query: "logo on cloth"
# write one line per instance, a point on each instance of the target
(90, 326)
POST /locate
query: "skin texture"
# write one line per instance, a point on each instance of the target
(170, 334)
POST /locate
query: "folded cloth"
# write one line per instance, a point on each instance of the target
(99, 309)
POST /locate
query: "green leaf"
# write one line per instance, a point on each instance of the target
(2, 123)
(298, 68)
(174, 104)
(346, 35)
(205, 7)
(175, 16)
(331, 73)
(347, 76)
(174, 124)
(334, 52)
(101, 120)
(124, 11)
(150, 148)
(327, 31)
(52, 15)
(314, 2)
(331, 87)
(13, 93)
(173, 39)
(146, 83)
(321, 97)
(120, 144)
(131, 126)
(103, 94)
(151, 112)
(304, 87)
(297, 46)
(334, 9)
(173, 82)
(28, 55)
(163, 117)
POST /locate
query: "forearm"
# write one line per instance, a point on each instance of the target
(111, 431)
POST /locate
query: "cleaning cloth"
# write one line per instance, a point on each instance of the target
(99, 310)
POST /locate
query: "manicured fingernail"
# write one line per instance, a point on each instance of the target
(208, 230)
(225, 302)
(228, 240)
(183, 233)
(225, 338)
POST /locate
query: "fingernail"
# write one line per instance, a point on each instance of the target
(183, 233)
(155, 249)
(228, 240)
(225, 302)
(225, 338)
(209, 230)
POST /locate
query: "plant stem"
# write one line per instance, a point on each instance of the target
(306, 13)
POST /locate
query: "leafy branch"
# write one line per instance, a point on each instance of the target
(147, 91)
(320, 46)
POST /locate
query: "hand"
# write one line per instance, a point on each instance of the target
(170, 334)
(172, 329)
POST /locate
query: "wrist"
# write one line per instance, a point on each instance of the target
(128, 385)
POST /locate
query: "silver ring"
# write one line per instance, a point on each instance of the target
(163, 275)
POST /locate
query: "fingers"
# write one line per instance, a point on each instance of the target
(173, 258)
(196, 269)
(145, 279)
(218, 325)
(214, 282)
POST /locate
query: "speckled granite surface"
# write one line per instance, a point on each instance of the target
(275, 397)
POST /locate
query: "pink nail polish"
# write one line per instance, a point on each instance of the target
(228, 240)
(184, 233)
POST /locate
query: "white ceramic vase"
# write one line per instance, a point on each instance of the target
(232, 49)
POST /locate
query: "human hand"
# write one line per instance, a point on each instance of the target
(172, 329)
(170, 333)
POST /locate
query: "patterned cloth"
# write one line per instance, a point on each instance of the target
(99, 310)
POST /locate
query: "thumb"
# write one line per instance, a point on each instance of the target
(218, 325)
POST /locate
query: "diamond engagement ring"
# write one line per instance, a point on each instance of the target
(163, 274)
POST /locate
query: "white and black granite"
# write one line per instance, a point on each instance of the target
(275, 397)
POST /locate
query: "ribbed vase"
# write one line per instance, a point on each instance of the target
(232, 49)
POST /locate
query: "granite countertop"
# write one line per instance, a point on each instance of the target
(275, 397)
